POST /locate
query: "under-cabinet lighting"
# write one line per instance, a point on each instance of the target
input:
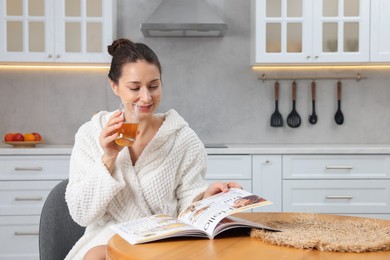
(54, 67)
(320, 67)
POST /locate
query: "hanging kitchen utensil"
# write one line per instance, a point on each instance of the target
(293, 119)
(313, 117)
(276, 117)
(339, 117)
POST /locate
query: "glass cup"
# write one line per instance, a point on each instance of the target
(128, 131)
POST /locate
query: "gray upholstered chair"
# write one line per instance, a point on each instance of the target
(57, 230)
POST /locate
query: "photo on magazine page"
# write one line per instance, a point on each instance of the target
(207, 213)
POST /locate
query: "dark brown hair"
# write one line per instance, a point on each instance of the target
(124, 51)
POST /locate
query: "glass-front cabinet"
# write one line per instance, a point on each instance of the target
(380, 36)
(56, 31)
(307, 31)
(341, 30)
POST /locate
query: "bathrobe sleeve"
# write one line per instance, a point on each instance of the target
(91, 187)
(193, 169)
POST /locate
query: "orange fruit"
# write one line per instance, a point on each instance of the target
(29, 137)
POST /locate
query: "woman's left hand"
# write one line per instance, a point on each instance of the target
(218, 187)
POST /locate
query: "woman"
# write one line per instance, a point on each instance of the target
(161, 173)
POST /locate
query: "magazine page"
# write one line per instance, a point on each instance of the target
(154, 228)
(207, 213)
(233, 222)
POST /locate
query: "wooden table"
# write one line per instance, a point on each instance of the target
(236, 245)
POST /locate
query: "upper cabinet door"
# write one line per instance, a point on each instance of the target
(26, 30)
(380, 36)
(69, 31)
(340, 30)
(282, 30)
(310, 31)
(83, 29)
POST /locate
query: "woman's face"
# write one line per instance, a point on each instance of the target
(140, 83)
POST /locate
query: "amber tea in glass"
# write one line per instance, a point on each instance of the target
(128, 131)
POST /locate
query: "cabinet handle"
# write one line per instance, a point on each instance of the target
(316, 57)
(36, 233)
(50, 56)
(58, 56)
(28, 198)
(307, 57)
(339, 197)
(338, 167)
(28, 168)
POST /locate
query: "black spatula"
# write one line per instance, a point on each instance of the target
(276, 117)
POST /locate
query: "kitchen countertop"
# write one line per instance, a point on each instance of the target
(37, 150)
(301, 149)
(230, 149)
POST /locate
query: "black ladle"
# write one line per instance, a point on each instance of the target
(313, 117)
(339, 117)
(293, 119)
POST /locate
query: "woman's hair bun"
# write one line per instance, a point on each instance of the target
(118, 44)
(124, 51)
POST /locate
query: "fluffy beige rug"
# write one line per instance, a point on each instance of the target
(308, 231)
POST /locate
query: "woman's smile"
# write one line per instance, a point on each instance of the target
(146, 108)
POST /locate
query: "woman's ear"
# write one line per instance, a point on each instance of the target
(114, 87)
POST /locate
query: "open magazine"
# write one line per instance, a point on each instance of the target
(204, 218)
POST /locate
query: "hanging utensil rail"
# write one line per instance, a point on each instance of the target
(356, 77)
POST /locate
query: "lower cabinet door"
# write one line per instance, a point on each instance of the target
(24, 197)
(229, 167)
(337, 196)
(19, 237)
(267, 181)
(246, 184)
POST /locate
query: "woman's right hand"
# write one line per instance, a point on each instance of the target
(107, 140)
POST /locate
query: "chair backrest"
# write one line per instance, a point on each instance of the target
(57, 230)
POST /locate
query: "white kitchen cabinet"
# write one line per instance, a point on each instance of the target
(380, 37)
(310, 31)
(19, 237)
(64, 31)
(246, 184)
(24, 197)
(259, 174)
(344, 184)
(267, 181)
(33, 167)
(336, 166)
(337, 196)
(25, 182)
(340, 30)
(338, 184)
(236, 168)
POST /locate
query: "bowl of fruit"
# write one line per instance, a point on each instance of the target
(23, 140)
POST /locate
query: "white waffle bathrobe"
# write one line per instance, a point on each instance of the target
(166, 178)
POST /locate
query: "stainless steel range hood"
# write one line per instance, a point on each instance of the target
(184, 18)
